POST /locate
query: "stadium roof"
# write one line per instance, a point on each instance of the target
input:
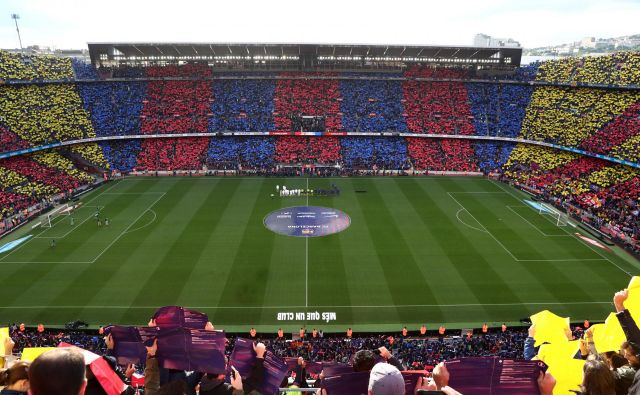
(301, 56)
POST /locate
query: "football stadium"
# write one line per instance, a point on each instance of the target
(317, 201)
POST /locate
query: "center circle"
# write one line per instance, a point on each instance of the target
(307, 221)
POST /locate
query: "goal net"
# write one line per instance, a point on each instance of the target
(63, 209)
(560, 218)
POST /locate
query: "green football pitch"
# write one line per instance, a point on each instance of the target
(459, 251)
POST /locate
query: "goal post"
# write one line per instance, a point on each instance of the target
(561, 219)
(63, 209)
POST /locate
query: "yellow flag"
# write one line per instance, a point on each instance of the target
(4, 333)
(633, 301)
(557, 353)
(608, 336)
(597, 330)
(550, 328)
(29, 354)
(568, 375)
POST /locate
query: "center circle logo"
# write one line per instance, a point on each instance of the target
(307, 221)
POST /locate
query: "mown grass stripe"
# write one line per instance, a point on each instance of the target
(179, 262)
(400, 268)
(326, 261)
(486, 284)
(246, 283)
(444, 276)
(214, 264)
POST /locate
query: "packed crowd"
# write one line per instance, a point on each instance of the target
(307, 97)
(121, 155)
(241, 152)
(624, 127)
(607, 195)
(34, 67)
(568, 116)
(9, 141)
(498, 110)
(595, 359)
(565, 116)
(372, 105)
(24, 181)
(599, 121)
(375, 153)
(83, 70)
(619, 68)
(439, 108)
(414, 350)
(175, 107)
(243, 105)
(115, 108)
(294, 149)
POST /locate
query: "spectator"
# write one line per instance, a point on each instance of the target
(15, 379)
(597, 379)
(364, 360)
(631, 347)
(386, 379)
(58, 372)
(622, 371)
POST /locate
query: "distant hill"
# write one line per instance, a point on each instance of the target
(588, 45)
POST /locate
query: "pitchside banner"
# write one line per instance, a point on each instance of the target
(494, 376)
(243, 358)
(179, 317)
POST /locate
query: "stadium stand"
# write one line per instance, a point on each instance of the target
(317, 98)
(231, 153)
(175, 107)
(370, 105)
(307, 97)
(498, 110)
(293, 149)
(83, 70)
(567, 116)
(623, 127)
(598, 192)
(422, 354)
(19, 67)
(242, 105)
(602, 122)
(115, 107)
(121, 155)
(616, 69)
(12, 203)
(438, 108)
(374, 152)
(9, 141)
(37, 172)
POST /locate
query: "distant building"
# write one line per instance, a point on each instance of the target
(483, 40)
(588, 42)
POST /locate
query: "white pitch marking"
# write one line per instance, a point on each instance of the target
(589, 246)
(298, 307)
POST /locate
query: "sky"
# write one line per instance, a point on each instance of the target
(534, 23)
